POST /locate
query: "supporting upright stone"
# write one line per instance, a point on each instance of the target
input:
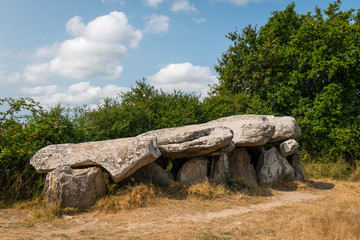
(273, 168)
(294, 161)
(220, 168)
(241, 167)
(193, 171)
(77, 188)
(152, 173)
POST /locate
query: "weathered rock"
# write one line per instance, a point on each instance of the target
(220, 168)
(288, 147)
(77, 188)
(273, 168)
(294, 161)
(285, 128)
(226, 149)
(241, 168)
(153, 173)
(249, 130)
(120, 157)
(193, 171)
(190, 141)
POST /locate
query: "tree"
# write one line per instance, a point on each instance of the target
(293, 61)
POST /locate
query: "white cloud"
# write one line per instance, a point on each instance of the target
(48, 51)
(40, 90)
(9, 78)
(183, 6)
(157, 24)
(36, 73)
(199, 20)
(75, 26)
(185, 77)
(152, 3)
(240, 2)
(75, 95)
(97, 49)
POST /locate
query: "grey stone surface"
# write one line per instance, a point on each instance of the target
(294, 161)
(241, 168)
(190, 141)
(220, 168)
(288, 147)
(249, 130)
(153, 173)
(120, 157)
(77, 188)
(194, 171)
(226, 149)
(272, 168)
(285, 128)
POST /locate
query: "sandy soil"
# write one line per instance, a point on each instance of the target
(168, 219)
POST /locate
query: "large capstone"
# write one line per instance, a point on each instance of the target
(120, 157)
(273, 168)
(191, 141)
(249, 130)
(285, 128)
(77, 188)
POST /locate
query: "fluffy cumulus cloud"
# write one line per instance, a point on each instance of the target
(152, 3)
(97, 49)
(75, 95)
(9, 78)
(185, 77)
(183, 6)
(157, 24)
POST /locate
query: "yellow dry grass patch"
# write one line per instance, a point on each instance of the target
(131, 197)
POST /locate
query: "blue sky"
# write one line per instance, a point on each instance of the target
(80, 51)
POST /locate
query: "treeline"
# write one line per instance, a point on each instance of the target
(141, 109)
(303, 65)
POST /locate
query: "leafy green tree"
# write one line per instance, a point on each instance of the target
(21, 136)
(142, 109)
(296, 63)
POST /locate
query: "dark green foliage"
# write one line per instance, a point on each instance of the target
(306, 66)
(21, 137)
(141, 109)
(227, 104)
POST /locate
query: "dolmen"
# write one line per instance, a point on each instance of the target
(253, 149)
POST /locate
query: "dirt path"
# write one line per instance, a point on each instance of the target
(172, 219)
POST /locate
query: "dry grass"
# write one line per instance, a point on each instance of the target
(207, 211)
(206, 191)
(131, 197)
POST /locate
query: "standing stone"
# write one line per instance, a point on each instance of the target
(120, 157)
(294, 161)
(77, 188)
(273, 168)
(152, 173)
(220, 168)
(241, 167)
(193, 171)
(190, 141)
(288, 147)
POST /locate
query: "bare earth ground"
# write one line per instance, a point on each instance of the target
(316, 210)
